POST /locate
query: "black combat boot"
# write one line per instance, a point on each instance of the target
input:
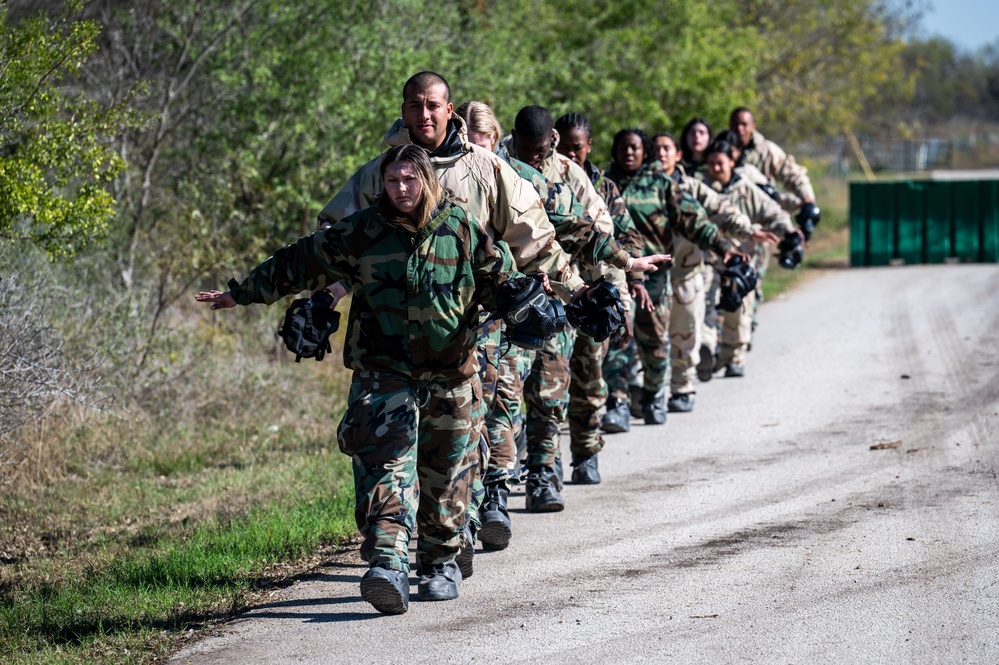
(540, 491)
(466, 555)
(439, 581)
(680, 403)
(618, 416)
(386, 590)
(654, 407)
(584, 470)
(706, 364)
(496, 531)
(732, 370)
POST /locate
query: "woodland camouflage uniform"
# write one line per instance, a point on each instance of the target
(660, 210)
(415, 406)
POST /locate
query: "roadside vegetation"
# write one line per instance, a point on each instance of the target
(161, 467)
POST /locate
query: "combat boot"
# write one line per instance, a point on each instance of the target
(386, 590)
(618, 416)
(584, 470)
(466, 555)
(540, 492)
(635, 405)
(733, 370)
(439, 581)
(496, 531)
(706, 364)
(680, 403)
(653, 406)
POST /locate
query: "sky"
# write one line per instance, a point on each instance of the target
(970, 24)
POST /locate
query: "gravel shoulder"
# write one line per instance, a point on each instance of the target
(762, 527)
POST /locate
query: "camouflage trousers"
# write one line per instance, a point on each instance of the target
(685, 323)
(587, 395)
(651, 338)
(737, 326)
(546, 395)
(712, 316)
(415, 452)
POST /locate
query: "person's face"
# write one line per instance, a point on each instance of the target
(532, 151)
(403, 187)
(698, 138)
(667, 153)
(720, 167)
(575, 145)
(743, 125)
(425, 114)
(483, 140)
(630, 153)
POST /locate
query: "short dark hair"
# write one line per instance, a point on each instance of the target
(723, 147)
(729, 136)
(642, 136)
(665, 135)
(736, 111)
(533, 122)
(574, 120)
(425, 80)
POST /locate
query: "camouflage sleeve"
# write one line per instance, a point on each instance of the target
(688, 218)
(311, 263)
(720, 210)
(768, 213)
(597, 210)
(521, 222)
(493, 265)
(624, 227)
(789, 173)
(359, 193)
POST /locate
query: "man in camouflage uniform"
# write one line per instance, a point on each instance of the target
(415, 404)
(778, 166)
(546, 389)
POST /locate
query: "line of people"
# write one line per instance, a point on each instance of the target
(433, 236)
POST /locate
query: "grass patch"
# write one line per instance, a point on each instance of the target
(119, 536)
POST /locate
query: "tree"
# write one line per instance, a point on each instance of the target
(55, 159)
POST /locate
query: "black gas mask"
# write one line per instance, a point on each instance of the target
(791, 251)
(808, 218)
(532, 318)
(598, 313)
(737, 280)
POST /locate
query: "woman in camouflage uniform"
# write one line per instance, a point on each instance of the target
(764, 213)
(419, 266)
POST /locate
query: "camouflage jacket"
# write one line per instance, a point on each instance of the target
(588, 232)
(778, 166)
(787, 200)
(624, 229)
(660, 209)
(505, 206)
(414, 310)
(755, 204)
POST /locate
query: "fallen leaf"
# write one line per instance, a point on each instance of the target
(704, 616)
(887, 445)
(905, 376)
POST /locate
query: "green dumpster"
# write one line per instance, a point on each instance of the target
(924, 221)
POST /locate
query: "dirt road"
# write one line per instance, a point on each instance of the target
(760, 528)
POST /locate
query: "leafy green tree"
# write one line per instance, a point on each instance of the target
(55, 158)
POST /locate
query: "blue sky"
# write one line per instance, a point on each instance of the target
(968, 23)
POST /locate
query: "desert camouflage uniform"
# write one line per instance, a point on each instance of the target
(767, 214)
(661, 211)
(415, 406)
(779, 167)
(690, 278)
